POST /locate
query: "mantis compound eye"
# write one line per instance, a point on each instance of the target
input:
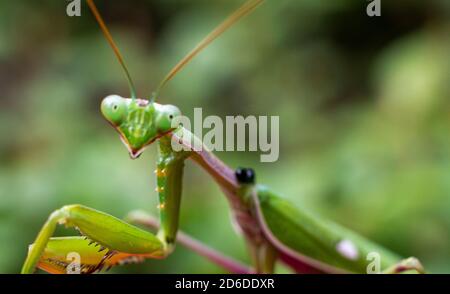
(166, 117)
(245, 175)
(114, 109)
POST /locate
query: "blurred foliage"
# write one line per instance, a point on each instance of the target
(363, 103)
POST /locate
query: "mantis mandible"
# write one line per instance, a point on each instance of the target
(274, 229)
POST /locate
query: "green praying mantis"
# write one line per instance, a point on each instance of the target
(273, 228)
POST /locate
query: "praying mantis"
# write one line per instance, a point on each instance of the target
(272, 227)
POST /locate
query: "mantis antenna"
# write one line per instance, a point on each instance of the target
(113, 45)
(244, 10)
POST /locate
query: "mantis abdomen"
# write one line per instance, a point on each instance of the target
(332, 247)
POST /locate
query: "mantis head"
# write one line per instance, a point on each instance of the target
(138, 121)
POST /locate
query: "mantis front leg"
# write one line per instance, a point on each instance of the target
(115, 237)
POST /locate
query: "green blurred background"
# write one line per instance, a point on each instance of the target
(363, 103)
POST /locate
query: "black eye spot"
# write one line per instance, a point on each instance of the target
(245, 175)
(171, 116)
(115, 107)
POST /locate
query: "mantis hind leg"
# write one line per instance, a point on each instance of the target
(226, 262)
(110, 235)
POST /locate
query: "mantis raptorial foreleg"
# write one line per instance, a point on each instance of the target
(116, 235)
(80, 255)
(59, 251)
(113, 235)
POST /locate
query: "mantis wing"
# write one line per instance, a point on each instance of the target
(312, 245)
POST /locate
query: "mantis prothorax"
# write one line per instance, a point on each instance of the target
(273, 228)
